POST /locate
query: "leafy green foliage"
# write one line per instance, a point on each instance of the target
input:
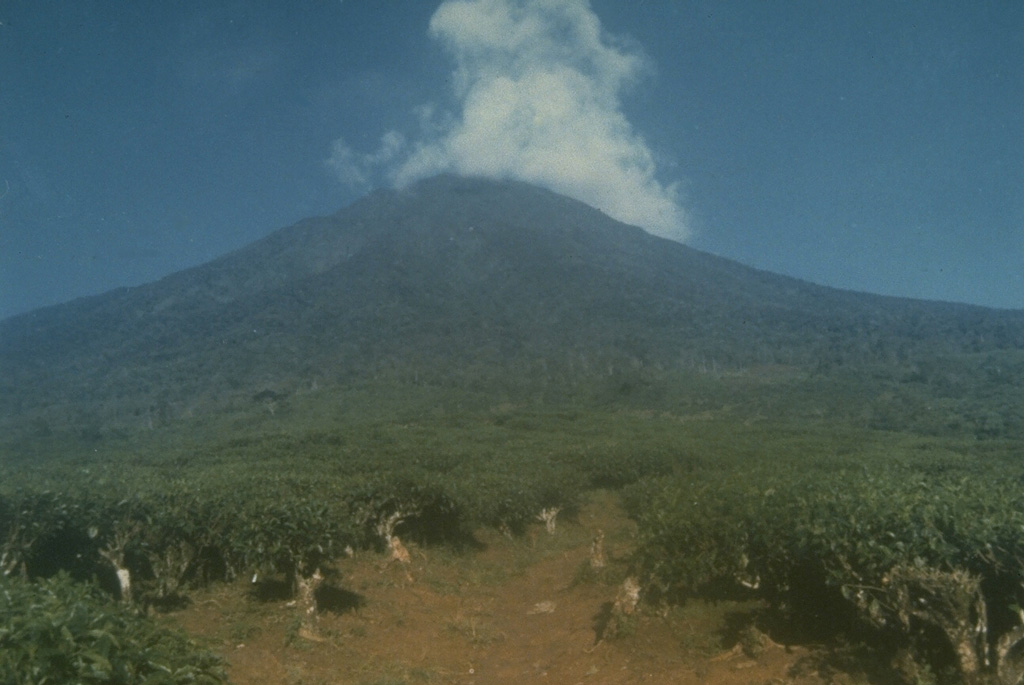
(59, 631)
(837, 525)
(903, 548)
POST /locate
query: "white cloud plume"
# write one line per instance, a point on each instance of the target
(539, 84)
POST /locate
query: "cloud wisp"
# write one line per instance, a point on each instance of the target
(538, 86)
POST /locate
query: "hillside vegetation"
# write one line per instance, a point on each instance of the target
(476, 288)
(468, 356)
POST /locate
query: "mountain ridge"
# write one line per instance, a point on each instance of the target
(448, 274)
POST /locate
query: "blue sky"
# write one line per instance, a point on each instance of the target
(867, 145)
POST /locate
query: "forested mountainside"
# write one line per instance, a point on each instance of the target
(474, 285)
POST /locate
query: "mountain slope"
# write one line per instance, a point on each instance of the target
(501, 278)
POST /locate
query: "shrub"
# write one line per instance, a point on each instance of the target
(59, 631)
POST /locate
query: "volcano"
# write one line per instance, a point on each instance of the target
(461, 283)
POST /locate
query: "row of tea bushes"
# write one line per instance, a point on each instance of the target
(149, 538)
(924, 558)
(149, 526)
(148, 542)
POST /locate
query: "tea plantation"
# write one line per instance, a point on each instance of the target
(908, 544)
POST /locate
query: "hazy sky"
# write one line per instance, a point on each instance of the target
(872, 145)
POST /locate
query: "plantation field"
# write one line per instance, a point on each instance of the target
(879, 555)
(524, 608)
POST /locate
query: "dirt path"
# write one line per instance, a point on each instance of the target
(517, 611)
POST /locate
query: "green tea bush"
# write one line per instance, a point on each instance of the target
(511, 496)
(914, 559)
(60, 631)
(418, 501)
(293, 537)
(618, 468)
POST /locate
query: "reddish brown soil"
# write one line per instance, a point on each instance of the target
(514, 611)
